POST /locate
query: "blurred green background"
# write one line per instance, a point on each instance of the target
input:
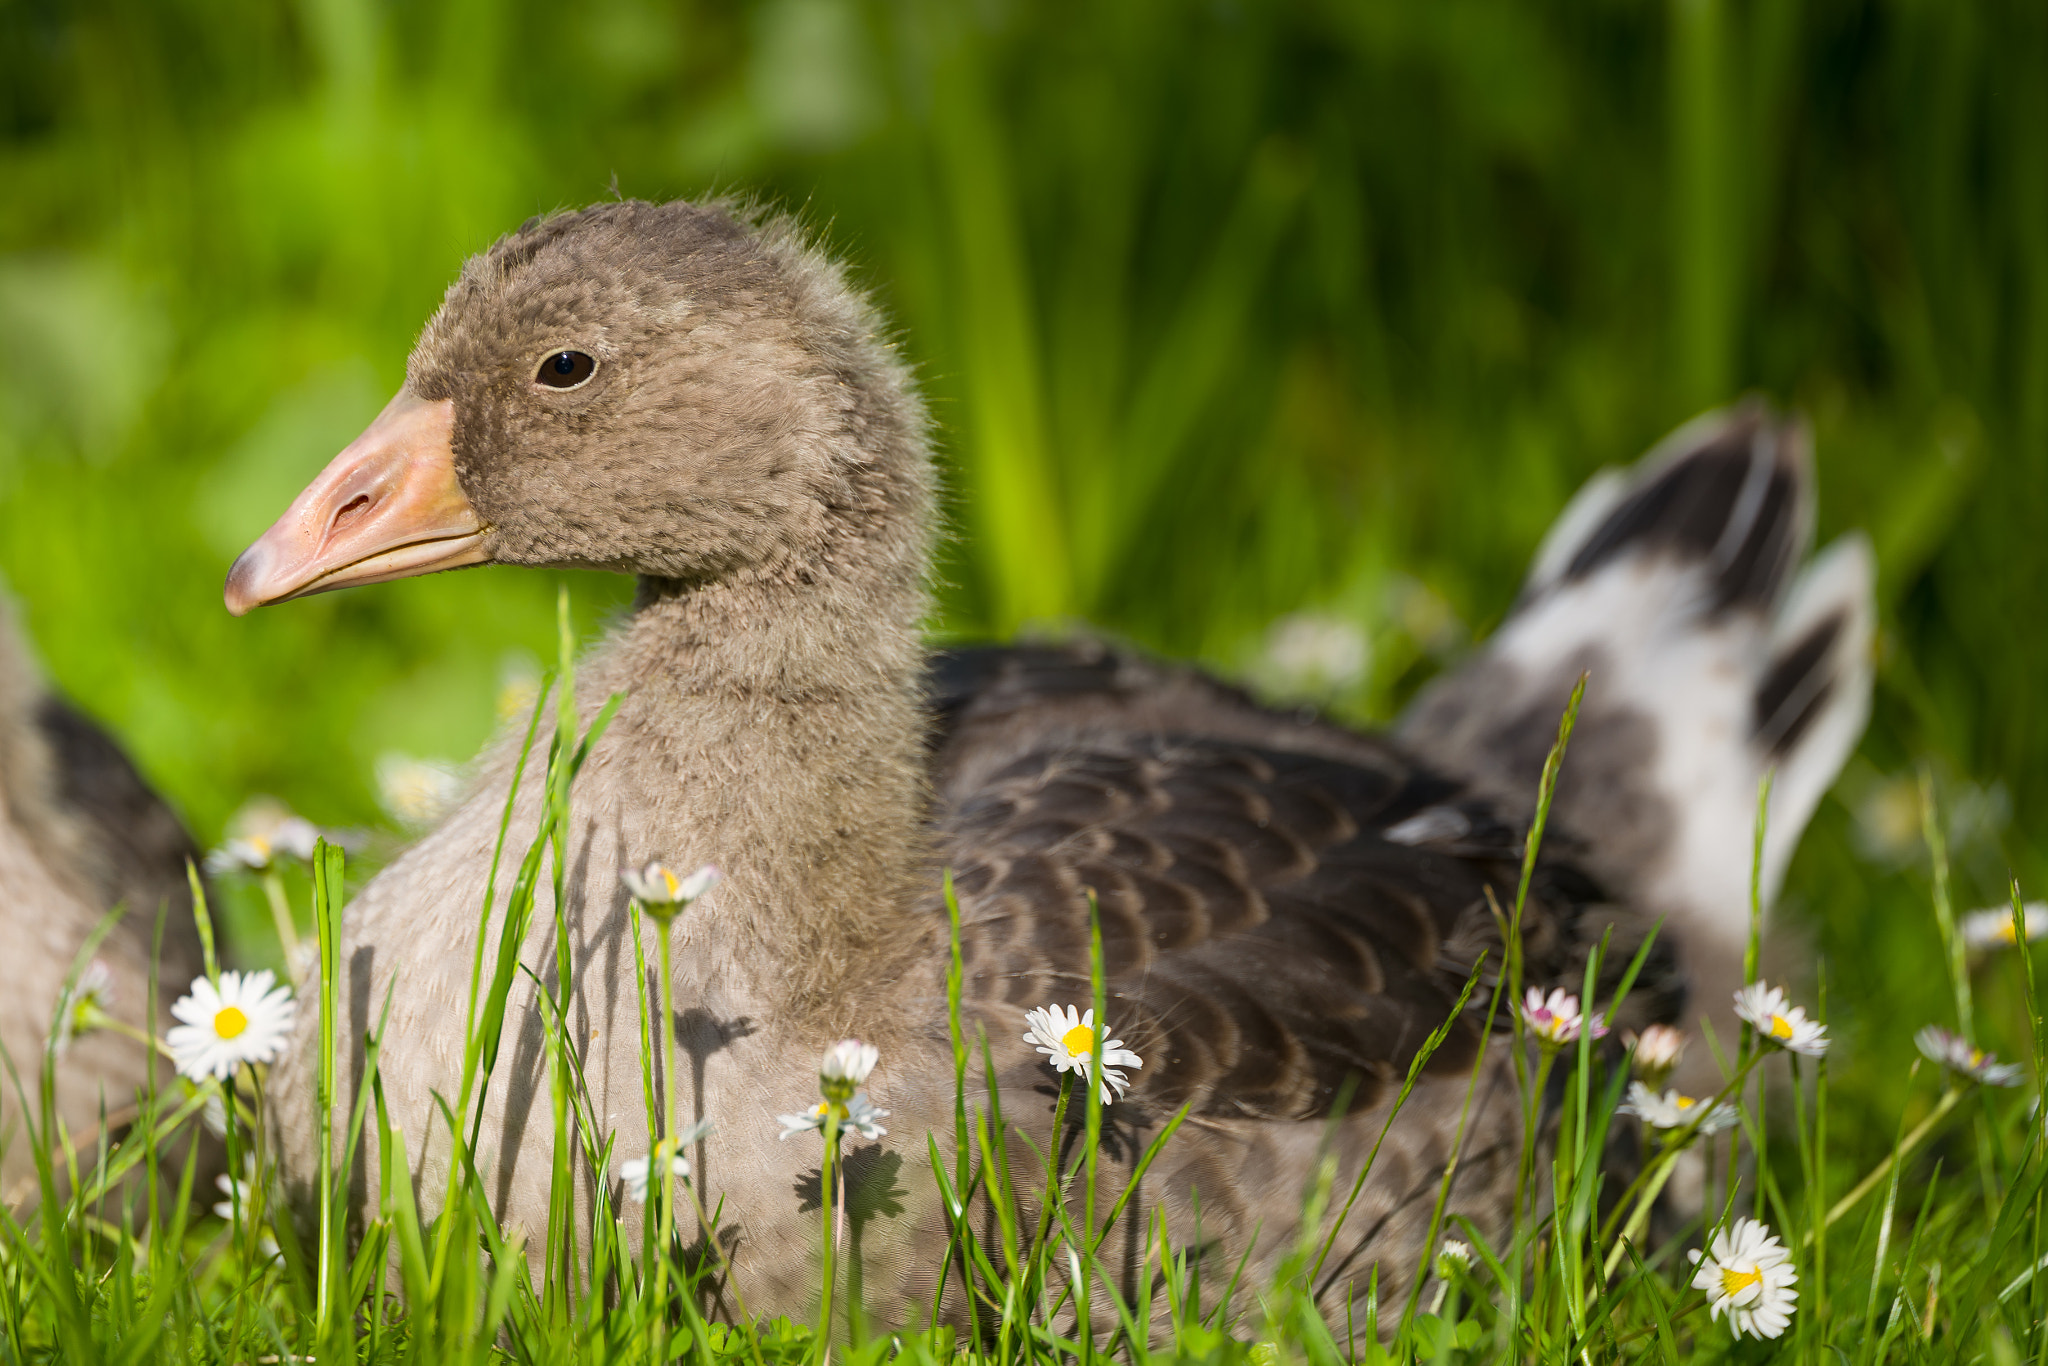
(1272, 334)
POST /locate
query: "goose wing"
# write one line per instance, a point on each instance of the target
(1285, 905)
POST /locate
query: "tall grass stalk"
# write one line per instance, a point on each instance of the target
(1532, 1089)
(327, 907)
(1944, 912)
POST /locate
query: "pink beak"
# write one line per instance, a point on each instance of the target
(388, 507)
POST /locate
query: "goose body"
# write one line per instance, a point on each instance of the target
(80, 834)
(1289, 908)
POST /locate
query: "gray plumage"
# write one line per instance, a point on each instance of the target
(1287, 905)
(80, 833)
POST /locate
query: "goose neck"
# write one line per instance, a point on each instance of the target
(777, 730)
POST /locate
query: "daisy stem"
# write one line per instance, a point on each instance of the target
(662, 1155)
(1531, 1110)
(647, 1066)
(1691, 1304)
(1905, 1145)
(253, 1212)
(1703, 1111)
(281, 912)
(237, 1212)
(828, 1174)
(1668, 1163)
(102, 1020)
(1055, 1189)
(853, 1332)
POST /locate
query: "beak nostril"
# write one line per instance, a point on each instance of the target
(350, 510)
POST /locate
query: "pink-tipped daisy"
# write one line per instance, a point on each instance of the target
(1555, 1019)
(1964, 1058)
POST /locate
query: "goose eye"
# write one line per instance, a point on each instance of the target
(565, 370)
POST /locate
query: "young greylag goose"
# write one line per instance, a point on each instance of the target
(1288, 907)
(80, 833)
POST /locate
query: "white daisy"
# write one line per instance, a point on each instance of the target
(1779, 1022)
(1555, 1019)
(845, 1067)
(241, 1192)
(1657, 1051)
(418, 792)
(635, 1171)
(239, 855)
(1991, 928)
(518, 685)
(1749, 1275)
(1070, 1040)
(856, 1115)
(1313, 655)
(245, 1019)
(1959, 1055)
(85, 1007)
(1454, 1256)
(213, 1112)
(1673, 1111)
(233, 1193)
(259, 834)
(662, 893)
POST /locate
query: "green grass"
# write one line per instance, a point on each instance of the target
(1226, 312)
(117, 1260)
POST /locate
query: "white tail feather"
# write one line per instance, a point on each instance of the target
(1710, 662)
(1839, 582)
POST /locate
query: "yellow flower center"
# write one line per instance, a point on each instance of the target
(261, 844)
(2008, 934)
(230, 1022)
(1734, 1282)
(669, 880)
(1976, 1057)
(1079, 1041)
(1686, 1102)
(1781, 1028)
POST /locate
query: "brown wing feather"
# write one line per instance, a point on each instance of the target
(1264, 938)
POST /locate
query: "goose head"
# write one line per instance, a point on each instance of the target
(663, 390)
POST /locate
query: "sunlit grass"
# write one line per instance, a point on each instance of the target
(123, 1258)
